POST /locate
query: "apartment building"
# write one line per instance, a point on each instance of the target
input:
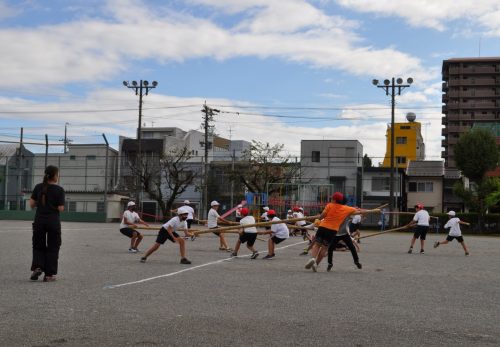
(471, 96)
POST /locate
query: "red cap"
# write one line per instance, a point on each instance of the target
(420, 206)
(338, 197)
(244, 211)
(271, 213)
(296, 209)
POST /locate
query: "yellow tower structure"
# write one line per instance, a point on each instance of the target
(409, 144)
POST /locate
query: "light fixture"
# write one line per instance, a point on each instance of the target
(399, 81)
(374, 82)
(155, 83)
(387, 82)
(145, 83)
(409, 80)
(134, 83)
(125, 83)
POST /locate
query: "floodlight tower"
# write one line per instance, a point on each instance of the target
(392, 87)
(141, 88)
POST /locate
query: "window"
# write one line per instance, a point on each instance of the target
(72, 157)
(71, 206)
(421, 187)
(100, 207)
(91, 157)
(401, 160)
(405, 127)
(401, 140)
(315, 156)
(380, 184)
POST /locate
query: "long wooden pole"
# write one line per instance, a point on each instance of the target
(383, 232)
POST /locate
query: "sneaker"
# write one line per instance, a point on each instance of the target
(193, 238)
(254, 255)
(410, 250)
(35, 274)
(436, 244)
(310, 263)
(329, 267)
(304, 252)
(422, 251)
(358, 264)
(132, 250)
(185, 261)
(466, 254)
(229, 250)
(314, 267)
(234, 254)
(143, 259)
(269, 256)
(222, 249)
(49, 278)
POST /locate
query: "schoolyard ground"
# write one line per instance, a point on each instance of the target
(105, 297)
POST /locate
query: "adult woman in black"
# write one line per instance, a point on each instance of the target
(48, 198)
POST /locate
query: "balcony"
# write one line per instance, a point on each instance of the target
(459, 70)
(458, 129)
(473, 82)
(473, 93)
(483, 105)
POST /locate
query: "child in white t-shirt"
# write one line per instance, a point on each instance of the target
(455, 232)
(279, 233)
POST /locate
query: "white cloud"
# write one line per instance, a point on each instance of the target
(7, 11)
(98, 49)
(434, 14)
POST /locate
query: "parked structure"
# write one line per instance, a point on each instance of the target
(16, 167)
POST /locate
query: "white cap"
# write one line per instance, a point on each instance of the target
(301, 208)
(239, 206)
(451, 213)
(214, 203)
(182, 210)
(266, 208)
(130, 203)
(187, 202)
(289, 211)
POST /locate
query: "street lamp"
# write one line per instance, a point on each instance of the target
(141, 88)
(392, 87)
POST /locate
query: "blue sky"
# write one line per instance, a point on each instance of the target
(283, 70)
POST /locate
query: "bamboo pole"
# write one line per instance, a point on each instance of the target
(261, 224)
(383, 232)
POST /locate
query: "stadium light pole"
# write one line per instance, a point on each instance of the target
(392, 87)
(141, 88)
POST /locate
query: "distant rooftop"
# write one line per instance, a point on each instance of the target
(428, 168)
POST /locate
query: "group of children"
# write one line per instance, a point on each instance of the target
(338, 224)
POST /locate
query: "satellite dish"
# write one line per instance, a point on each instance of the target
(410, 116)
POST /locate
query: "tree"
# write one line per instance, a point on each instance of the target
(476, 152)
(164, 176)
(267, 164)
(367, 162)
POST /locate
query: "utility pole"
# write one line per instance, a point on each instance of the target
(106, 178)
(141, 88)
(392, 87)
(208, 116)
(19, 171)
(66, 141)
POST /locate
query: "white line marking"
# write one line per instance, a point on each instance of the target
(113, 286)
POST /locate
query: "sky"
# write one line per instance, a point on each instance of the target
(280, 71)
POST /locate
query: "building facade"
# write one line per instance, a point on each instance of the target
(409, 143)
(471, 95)
(338, 163)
